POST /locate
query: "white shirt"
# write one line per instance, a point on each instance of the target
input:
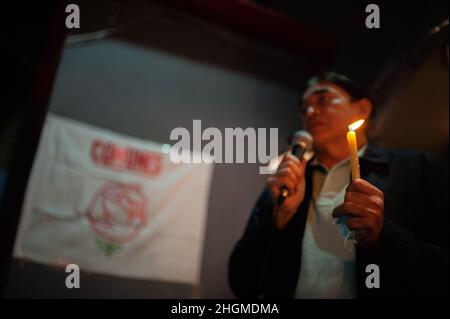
(327, 268)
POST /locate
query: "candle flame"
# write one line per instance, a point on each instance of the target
(355, 125)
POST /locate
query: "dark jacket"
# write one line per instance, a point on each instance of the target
(412, 251)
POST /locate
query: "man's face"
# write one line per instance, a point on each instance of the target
(327, 111)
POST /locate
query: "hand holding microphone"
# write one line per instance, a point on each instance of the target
(287, 185)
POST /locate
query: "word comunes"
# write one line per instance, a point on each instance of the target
(230, 149)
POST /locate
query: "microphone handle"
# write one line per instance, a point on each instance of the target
(298, 151)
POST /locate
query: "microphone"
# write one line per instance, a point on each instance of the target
(302, 142)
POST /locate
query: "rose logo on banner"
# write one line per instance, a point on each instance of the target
(117, 212)
(102, 194)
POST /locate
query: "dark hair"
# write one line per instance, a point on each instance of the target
(355, 91)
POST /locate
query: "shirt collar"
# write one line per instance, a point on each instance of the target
(315, 163)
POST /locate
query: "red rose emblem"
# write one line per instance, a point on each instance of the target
(117, 212)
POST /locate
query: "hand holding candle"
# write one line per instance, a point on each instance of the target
(363, 207)
(353, 148)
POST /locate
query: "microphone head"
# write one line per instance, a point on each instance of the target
(303, 137)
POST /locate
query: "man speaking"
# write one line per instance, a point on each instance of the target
(384, 235)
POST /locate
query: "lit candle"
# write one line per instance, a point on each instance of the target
(353, 148)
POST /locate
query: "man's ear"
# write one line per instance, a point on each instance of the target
(365, 108)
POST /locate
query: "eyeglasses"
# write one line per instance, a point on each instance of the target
(322, 101)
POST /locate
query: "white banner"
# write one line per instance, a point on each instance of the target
(113, 205)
